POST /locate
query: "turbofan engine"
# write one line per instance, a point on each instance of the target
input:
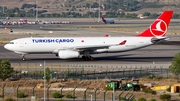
(66, 54)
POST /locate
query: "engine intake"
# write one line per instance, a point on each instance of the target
(66, 54)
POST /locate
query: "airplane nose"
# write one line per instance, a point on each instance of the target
(6, 46)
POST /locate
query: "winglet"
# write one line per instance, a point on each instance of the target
(159, 27)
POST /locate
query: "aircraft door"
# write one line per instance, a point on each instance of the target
(21, 43)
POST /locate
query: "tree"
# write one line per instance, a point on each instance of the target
(10, 99)
(146, 14)
(154, 15)
(16, 10)
(21, 95)
(69, 96)
(48, 73)
(141, 99)
(175, 65)
(165, 97)
(88, 5)
(95, 5)
(153, 100)
(176, 16)
(57, 95)
(5, 69)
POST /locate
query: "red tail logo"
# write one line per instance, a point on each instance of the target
(159, 26)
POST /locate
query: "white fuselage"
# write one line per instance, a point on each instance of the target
(42, 45)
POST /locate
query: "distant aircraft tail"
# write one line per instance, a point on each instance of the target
(159, 27)
(104, 20)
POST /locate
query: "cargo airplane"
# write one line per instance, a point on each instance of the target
(76, 47)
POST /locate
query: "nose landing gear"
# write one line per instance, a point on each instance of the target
(23, 57)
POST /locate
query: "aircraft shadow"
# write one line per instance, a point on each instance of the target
(115, 58)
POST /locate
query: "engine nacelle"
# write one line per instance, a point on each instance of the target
(66, 54)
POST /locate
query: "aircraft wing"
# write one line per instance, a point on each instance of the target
(94, 47)
(90, 47)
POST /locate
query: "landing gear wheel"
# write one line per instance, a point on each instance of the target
(86, 58)
(23, 57)
(91, 58)
(83, 57)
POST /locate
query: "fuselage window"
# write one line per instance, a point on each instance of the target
(11, 43)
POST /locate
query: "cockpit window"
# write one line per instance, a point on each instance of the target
(11, 43)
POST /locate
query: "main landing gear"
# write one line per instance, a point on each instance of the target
(23, 57)
(87, 56)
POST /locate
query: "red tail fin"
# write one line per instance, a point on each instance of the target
(103, 20)
(159, 27)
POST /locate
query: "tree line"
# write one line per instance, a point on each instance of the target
(115, 9)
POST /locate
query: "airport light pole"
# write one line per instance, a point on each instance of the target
(44, 66)
(3, 10)
(113, 91)
(91, 96)
(36, 11)
(99, 11)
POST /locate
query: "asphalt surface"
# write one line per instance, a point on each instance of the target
(119, 24)
(161, 54)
